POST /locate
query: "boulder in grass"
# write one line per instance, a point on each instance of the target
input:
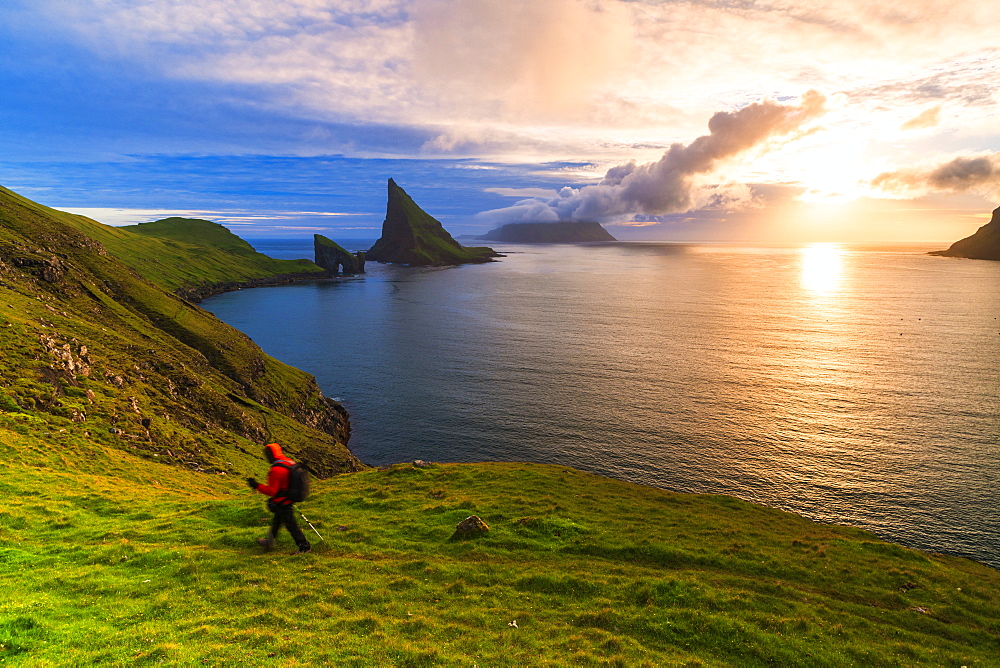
(471, 527)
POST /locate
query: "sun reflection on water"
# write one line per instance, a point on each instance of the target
(822, 267)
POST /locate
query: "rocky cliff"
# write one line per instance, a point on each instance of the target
(412, 236)
(549, 233)
(95, 351)
(983, 245)
(335, 258)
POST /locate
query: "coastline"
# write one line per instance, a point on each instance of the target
(198, 293)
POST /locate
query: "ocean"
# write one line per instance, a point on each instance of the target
(850, 384)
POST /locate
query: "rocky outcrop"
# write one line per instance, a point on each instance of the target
(549, 233)
(471, 527)
(335, 258)
(983, 245)
(412, 236)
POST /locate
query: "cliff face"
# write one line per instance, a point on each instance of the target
(983, 245)
(335, 258)
(549, 233)
(412, 236)
(91, 348)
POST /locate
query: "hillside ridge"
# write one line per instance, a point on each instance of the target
(90, 343)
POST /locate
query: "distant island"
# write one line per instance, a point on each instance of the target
(983, 245)
(549, 233)
(413, 237)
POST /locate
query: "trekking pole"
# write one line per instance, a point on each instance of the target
(308, 522)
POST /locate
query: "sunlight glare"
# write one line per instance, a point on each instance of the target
(822, 267)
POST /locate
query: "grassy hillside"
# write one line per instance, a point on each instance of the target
(92, 348)
(191, 257)
(123, 562)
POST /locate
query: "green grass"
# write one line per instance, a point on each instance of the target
(190, 256)
(124, 562)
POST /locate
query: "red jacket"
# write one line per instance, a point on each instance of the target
(277, 477)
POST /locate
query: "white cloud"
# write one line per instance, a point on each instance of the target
(549, 80)
(677, 181)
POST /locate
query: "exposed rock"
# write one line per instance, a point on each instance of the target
(202, 291)
(549, 233)
(471, 527)
(335, 258)
(983, 245)
(421, 464)
(411, 236)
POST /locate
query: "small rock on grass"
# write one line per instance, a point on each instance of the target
(471, 527)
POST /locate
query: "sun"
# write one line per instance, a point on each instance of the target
(832, 172)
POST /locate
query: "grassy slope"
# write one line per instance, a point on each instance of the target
(91, 347)
(182, 254)
(123, 562)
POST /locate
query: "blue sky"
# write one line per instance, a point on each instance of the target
(665, 120)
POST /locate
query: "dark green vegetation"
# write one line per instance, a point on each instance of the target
(549, 233)
(983, 245)
(92, 348)
(336, 259)
(128, 418)
(412, 236)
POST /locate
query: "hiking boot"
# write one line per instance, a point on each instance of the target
(266, 543)
(303, 549)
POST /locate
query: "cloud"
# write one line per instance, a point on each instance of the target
(517, 81)
(674, 183)
(520, 57)
(979, 174)
(927, 119)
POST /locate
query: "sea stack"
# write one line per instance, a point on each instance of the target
(412, 236)
(335, 258)
(983, 245)
(564, 232)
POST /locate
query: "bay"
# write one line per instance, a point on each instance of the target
(851, 384)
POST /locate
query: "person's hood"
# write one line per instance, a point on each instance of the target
(275, 452)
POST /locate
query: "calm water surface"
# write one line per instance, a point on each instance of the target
(856, 385)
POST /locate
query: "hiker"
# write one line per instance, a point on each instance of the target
(279, 503)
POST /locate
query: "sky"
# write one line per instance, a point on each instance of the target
(782, 120)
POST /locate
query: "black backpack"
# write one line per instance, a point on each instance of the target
(298, 481)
